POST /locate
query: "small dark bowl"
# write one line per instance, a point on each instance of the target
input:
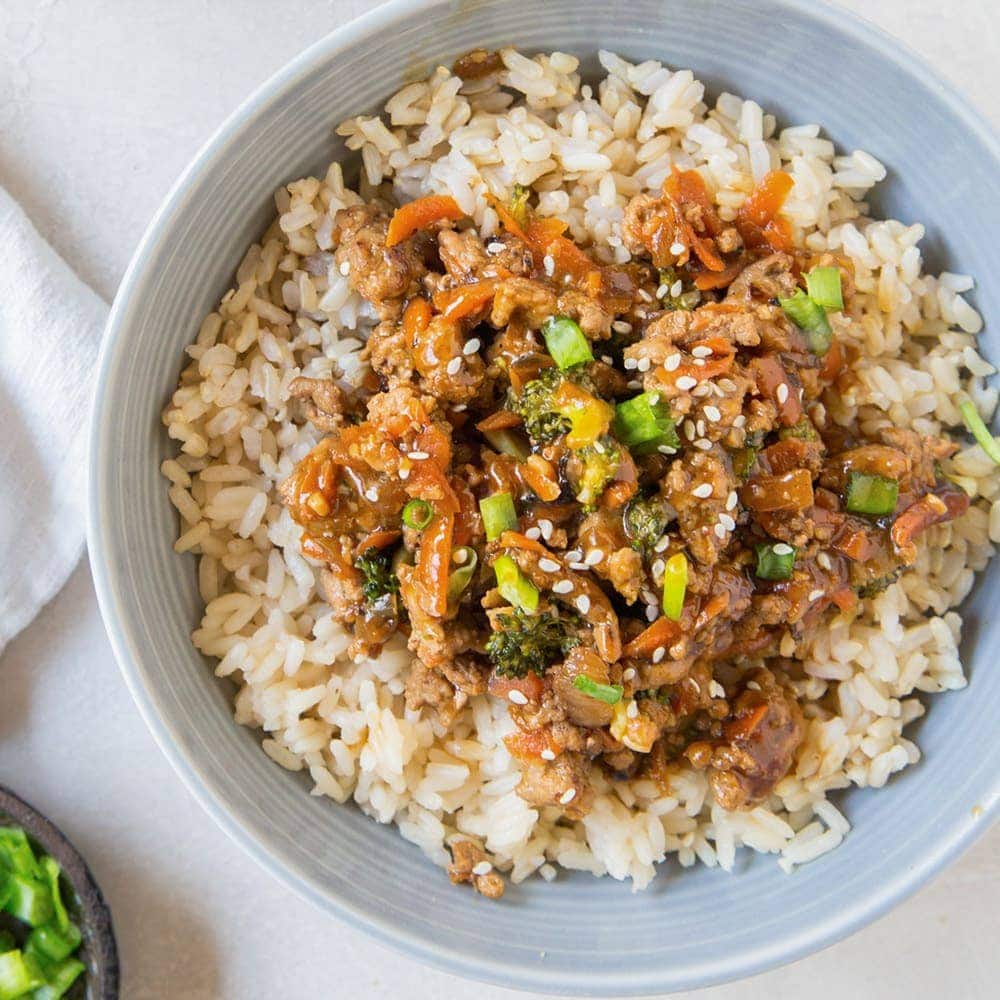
(84, 899)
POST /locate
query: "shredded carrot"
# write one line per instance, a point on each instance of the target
(758, 221)
(376, 540)
(845, 598)
(435, 563)
(416, 319)
(833, 362)
(686, 187)
(662, 632)
(525, 746)
(932, 508)
(500, 421)
(855, 543)
(515, 540)
(462, 300)
(617, 495)
(530, 685)
(419, 214)
(743, 727)
(707, 280)
(788, 491)
(540, 476)
(771, 376)
(507, 220)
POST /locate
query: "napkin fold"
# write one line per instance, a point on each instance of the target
(50, 330)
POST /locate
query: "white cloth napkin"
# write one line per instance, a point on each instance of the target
(50, 329)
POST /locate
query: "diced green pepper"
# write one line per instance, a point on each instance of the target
(499, 515)
(50, 944)
(50, 871)
(775, 560)
(870, 494)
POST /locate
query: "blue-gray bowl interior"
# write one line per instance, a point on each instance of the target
(579, 935)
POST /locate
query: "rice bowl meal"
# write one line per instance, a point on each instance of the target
(589, 483)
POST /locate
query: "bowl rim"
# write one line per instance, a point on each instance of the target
(949, 842)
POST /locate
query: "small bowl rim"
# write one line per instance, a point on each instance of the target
(949, 843)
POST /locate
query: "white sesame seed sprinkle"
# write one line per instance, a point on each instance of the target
(494, 247)
(703, 444)
(635, 384)
(643, 364)
(659, 653)
(575, 554)
(657, 568)
(824, 560)
(713, 413)
(701, 351)
(418, 456)
(517, 697)
(815, 595)
(472, 346)
(644, 295)
(581, 566)
(700, 427)
(631, 364)
(567, 796)
(548, 754)
(651, 612)
(782, 393)
(720, 531)
(548, 565)
(686, 382)
(345, 268)
(404, 473)
(727, 522)
(677, 248)
(661, 545)
(534, 533)
(549, 264)
(699, 362)
(628, 674)
(731, 500)
(453, 366)
(705, 389)
(665, 449)
(607, 359)
(371, 493)
(739, 421)
(483, 868)
(753, 685)
(594, 556)
(702, 490)
(459, 408)
(598, 447)
(562, 587)
(689, 430)
(716, 690)
(676, 288)
(672, 362)
(781, 549)
(545, 526)
(633, 710)
(621, 326)
(727, 385)
(583, 604)
(663, 291)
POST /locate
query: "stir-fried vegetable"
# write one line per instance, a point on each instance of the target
(974, 422)
(417, 514)
(675, 578)
(378, 581)
(514, 586)
(589, 417)
(419, 214)
(521, 643)
(566, 342)
(870, 494)
(610, 694)
(645, 520)
(467, 561)
(508, 442)
(809, 317)
(774, 560)
(824, 287)
(498, 514)
(644, 423)
(592, 469)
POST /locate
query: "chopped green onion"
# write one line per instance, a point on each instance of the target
(28, 899)
(979, 430)
(19, 974)
(50, 873)
(499, 515)
(610, 694)
(871, 494)
(675, 581)
(508, 442)
(566, 342)
(49, 944)
(644, 423)
(514, 586)
(60, 978)
(418, 514)
(774, 560)
(16, 853)
(743, 462)
(824, 287)
(809, 317)
(467, 561)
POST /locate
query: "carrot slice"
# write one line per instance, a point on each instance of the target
(499, 421)
(530, 685)
(515, 540)
(419, 214)
(762, 206)
(744, 726)
(789, 491)
(463, 300)
(662, 632)
(771, 376)
(435, 564)
(376, 540)
(416, 319)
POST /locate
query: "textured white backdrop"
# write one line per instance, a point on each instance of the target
(102, 103)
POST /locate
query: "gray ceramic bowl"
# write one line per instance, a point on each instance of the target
(579, 935)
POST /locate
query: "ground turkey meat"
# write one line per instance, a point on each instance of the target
(563, 782)
(470, 864)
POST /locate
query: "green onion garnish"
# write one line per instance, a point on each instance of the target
(28, 899)
(644, 423)
(514, 586)
(566, 342)
(459, 579)
(610, 694)
(824, 287)
(868, 493)
(979, 430)
(417, 514)
(49, 944)
(809, 317)
(19, 975)
(59, 978)
(774, 560)
(499, 515)
(675, 580)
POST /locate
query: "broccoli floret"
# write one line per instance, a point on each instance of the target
(645, 520)
(669, 277)
(378, 580)
(804, 429)
(518, 204)
(592, 468)
(541, 420)
(744, 459)
(874, 587)
(530, 642)
(661, 694)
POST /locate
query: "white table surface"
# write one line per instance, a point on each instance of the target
(102, 103)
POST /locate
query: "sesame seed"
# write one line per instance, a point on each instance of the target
(700, 427)
(705, 389)
(371, 493)
(483, 868)
(404, 473)
(644, 295)
(689, 431)
(494, 247)
(716, 690)
(703, 444)
(634, 384)
(459, 556)
(731, 500)
(418, 456)
(562, 587)
(672, 362)
(517, 697)
(720, 531)
(583, 604)
(676, 288)
(663, 291)
(472, 346)
(547, 754)
(581, 566)
(824, 560)
(575, 554)
(598, 447)
(594, 556)
(727, 522)
(677, 248)
(628, 674)
(548, 565)
(345, 268)
(781, 549)
(545, 526)
(727, 384)
(701, 351)
(643, 364)
(815, 595)
(658, 567)
(782, 393)
(665, 449)
(533, 533)
(631, 364)
(459, 408)
(659, 653)
(753, 685)
(739, 421)
(696, 685)
(661, 545)
(567, 796)
(699, 362)
(607, 359)
(651, 612)
(713, 413)
(549, 264)
(633, 710)
(453, 366)
(686, 382)
(621, 326)
(702, 490)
